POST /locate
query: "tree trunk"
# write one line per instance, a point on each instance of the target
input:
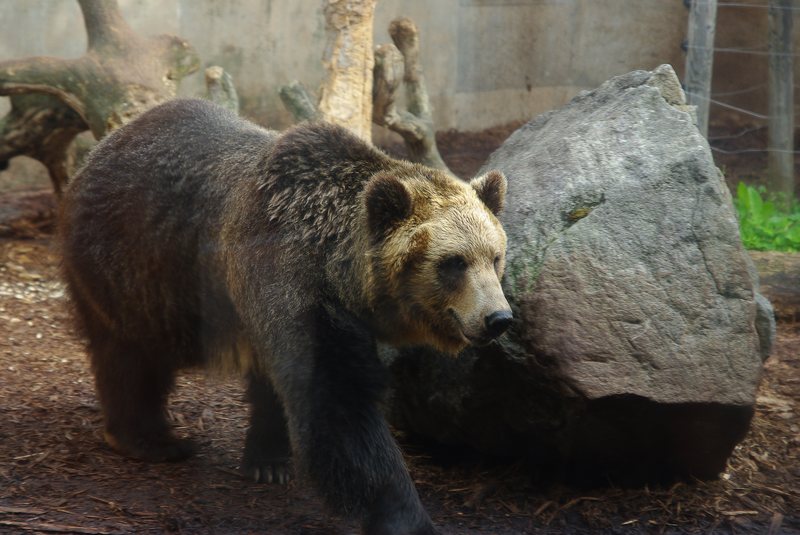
(42, 127)
(346, 92)
(120, 76)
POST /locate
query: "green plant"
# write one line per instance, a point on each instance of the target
(765, 226)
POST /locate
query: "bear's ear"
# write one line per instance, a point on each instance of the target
(388, 202)
(491, 189)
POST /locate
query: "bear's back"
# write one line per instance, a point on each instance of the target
(140, 221)
(183, 149)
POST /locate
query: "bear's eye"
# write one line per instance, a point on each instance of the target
(452, 271)
(496, 261)
(454, 264)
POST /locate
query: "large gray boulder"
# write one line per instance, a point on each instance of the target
(635, 352)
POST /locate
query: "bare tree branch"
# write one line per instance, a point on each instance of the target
(415, 125)
(299, 102)
(392, 64)
(220, 88)
(388, 75)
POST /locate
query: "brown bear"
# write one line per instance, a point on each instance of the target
(192, 237)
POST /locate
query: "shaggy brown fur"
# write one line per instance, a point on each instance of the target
(192, 237)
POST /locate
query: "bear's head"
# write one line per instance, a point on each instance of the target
(437, 254)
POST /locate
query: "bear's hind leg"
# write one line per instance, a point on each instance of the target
(133, 383)
(267, 451)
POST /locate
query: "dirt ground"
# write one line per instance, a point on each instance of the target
(58, 476)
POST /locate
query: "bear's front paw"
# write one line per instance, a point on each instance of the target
(160, 448)
(277, 470)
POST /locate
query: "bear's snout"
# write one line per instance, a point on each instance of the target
(498, 322)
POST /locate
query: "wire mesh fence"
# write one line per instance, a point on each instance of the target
(750, 115)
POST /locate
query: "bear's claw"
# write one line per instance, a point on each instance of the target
(277, 471)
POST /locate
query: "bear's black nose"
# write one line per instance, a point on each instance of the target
(498, 322)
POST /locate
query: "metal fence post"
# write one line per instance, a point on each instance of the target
(781, 99)
(700, 58)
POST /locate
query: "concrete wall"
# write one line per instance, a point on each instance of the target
(487, 62)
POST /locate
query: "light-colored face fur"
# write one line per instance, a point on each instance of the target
(444, 263)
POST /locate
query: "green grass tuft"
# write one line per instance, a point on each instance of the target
(765, 224)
